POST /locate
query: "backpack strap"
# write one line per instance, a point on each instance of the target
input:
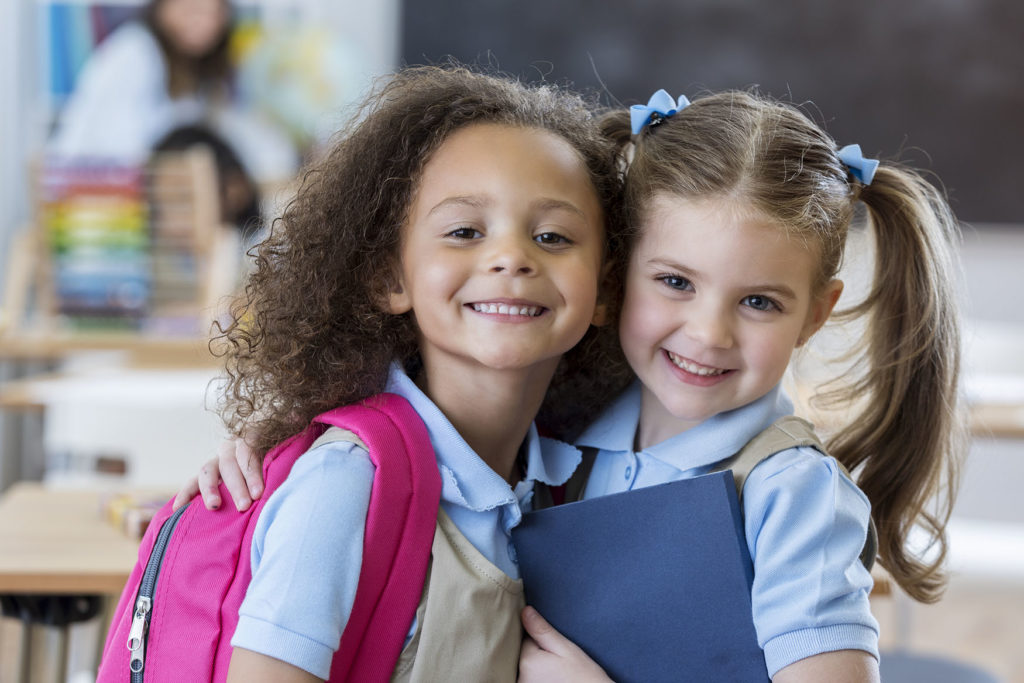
(545, 496)
(400, 526)
(788, 432)
(336, 434)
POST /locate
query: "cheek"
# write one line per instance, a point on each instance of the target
(425, 272)
(643, 320)
(772, 353)
(586, 284)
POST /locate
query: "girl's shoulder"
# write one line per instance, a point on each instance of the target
(800, 476)
(331, 480)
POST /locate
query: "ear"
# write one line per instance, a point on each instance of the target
(821, 309)
(391, 295)
(397, 300)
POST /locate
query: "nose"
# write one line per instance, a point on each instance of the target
(511, 254)
(709, 325)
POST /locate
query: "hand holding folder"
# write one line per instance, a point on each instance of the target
(653, 584)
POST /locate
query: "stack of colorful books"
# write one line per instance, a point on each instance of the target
(97, 227)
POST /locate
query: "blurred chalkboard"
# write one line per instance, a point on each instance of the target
(938, 84)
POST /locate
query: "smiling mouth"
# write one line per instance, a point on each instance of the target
(520, 310)
(694, 368)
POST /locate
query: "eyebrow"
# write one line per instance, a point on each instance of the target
(470, 201)
(780, 291)
(479, 202)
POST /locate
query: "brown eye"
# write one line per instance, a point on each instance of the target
(464, 233)
(552, 238)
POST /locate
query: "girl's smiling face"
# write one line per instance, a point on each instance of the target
(716, 300)
(502, 250)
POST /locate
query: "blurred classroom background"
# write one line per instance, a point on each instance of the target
(111, 275)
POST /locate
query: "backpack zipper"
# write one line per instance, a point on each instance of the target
(139, 633)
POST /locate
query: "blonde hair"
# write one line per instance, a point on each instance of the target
(906, 442)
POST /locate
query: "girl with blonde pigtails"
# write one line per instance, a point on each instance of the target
(739, 207)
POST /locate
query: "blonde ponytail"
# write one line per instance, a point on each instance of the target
(908, 439)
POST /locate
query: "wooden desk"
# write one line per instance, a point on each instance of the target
(144, 349)
(54, 541)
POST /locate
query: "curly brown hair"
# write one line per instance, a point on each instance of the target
(907, 441)
(309, 333)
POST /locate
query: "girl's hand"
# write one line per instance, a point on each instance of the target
(238, 468)
(547, 655)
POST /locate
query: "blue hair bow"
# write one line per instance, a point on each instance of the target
(861, 168)
(659, 107)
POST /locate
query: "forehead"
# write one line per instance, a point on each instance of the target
(722, 235)
(511, 162)
(492, 147)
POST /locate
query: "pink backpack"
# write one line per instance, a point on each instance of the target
(179, 609)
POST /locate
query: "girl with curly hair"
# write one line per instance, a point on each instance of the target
(449, 249)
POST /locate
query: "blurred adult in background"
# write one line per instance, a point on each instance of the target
(169, 69)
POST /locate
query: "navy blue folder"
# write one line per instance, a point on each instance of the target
(654, 584)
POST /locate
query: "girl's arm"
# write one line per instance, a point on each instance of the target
(251, 667)
(547, 655)
(306, 560)
(843, 666)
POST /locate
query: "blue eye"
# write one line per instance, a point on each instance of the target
(465, 233)
(676, 282)
(761, 303)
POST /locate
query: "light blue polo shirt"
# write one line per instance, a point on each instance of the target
(805, 522)
(307, 546)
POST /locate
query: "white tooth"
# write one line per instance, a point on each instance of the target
(491, 308)
(694, 368)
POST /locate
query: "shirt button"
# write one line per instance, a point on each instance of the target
(629, 472)
(512, 553)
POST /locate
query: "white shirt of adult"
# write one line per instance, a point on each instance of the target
(121, 107)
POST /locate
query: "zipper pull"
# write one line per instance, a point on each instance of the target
(137, 633)
(138, 629)
(138, 659)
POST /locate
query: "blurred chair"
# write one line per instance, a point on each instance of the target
(901, 666)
